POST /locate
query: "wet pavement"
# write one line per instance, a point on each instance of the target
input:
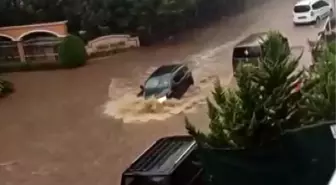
(53, 129)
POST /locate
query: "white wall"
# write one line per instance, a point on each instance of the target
(111, 42)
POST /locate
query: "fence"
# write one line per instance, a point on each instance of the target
(106, 45)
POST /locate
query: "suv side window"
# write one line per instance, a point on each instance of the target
(317, 5)
(178, 76)
(185, 70)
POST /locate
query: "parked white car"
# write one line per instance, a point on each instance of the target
(311, 11)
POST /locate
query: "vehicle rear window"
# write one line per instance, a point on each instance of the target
(301, 8)
(252, 52)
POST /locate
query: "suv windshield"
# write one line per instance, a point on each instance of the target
(247, 52)
(158, 82)
(301, 8)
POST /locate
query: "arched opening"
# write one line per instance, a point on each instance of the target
(40, 46)
(8, 50)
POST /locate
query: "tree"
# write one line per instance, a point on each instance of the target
(154, 19)
(320, 100)
(264, 105)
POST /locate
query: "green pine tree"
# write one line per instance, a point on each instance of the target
(263, 106)
(320, 102)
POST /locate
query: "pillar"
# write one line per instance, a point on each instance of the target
(21, 51)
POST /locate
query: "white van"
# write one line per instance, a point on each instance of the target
(310, 11)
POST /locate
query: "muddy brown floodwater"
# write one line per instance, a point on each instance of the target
(68, 127)
(208, 62)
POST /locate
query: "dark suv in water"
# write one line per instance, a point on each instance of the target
(326, 36)
(249, 50)
(167, 81)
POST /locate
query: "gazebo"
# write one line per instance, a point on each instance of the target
(31, 42)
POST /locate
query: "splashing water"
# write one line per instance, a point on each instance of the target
(132, 109)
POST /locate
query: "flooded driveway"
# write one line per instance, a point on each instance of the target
(59, 127)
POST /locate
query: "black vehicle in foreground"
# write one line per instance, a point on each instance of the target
(249, 50)
(168, 81)
(169, 161)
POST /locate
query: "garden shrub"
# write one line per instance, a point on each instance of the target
(320, 101)
(72, 52)
(332, 47)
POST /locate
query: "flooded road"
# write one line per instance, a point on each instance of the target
(59, 127)
(208, 60)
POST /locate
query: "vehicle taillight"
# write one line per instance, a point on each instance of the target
(311, 13)
(298, 86)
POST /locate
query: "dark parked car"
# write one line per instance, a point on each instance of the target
(168, 81)
(327, 35)
(169, 161)
(249, 50)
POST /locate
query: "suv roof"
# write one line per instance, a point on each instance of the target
(305, 2)
(253, 40)
(165, 69)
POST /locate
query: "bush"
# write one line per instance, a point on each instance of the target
(72, 52)
(320, 100)
(6, 88)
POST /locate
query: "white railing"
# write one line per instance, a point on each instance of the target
(111, 43)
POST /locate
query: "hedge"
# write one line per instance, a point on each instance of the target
(72, 52)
